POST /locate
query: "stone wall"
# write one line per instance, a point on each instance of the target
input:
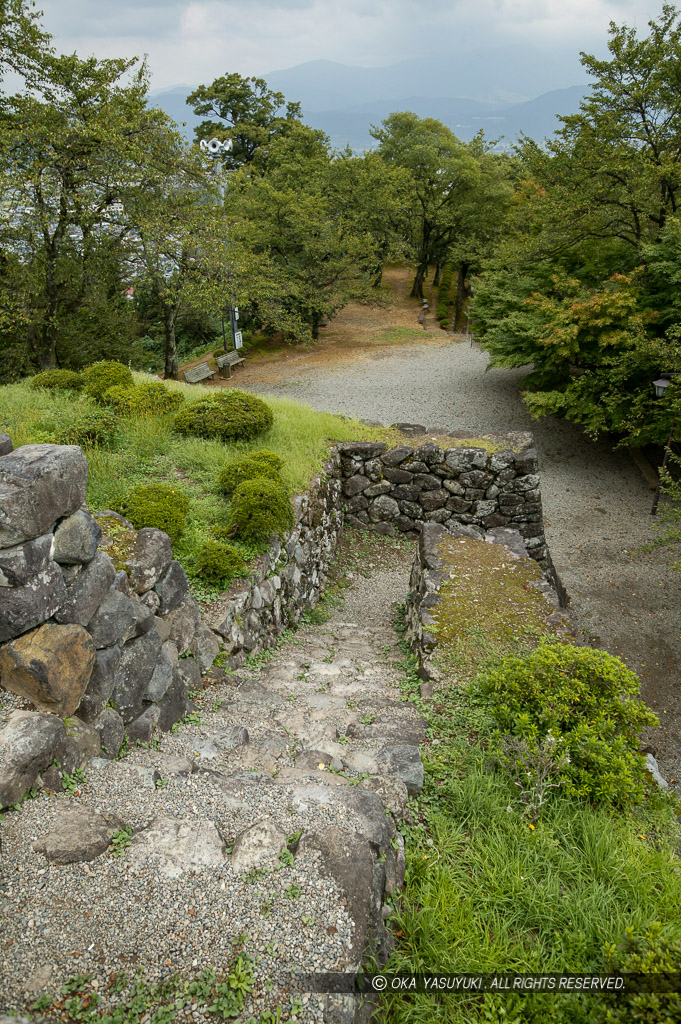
(397, 490)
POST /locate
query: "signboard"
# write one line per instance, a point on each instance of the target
(238, 340)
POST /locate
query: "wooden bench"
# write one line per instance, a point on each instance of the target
(227, 361)
(198, 373)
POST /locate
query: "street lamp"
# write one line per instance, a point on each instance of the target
(661, 386)
(215, 148)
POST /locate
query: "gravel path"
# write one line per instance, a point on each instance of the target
(596, 504)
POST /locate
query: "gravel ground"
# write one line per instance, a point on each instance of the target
(596, 504)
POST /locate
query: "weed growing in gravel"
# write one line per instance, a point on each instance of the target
(293, 892)
(71, 782)
(120, 841)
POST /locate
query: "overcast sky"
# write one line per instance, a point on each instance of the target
(192, 41)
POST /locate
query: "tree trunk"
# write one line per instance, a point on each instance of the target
(378, 276)
(172, 363)
(438, 275)
(460, 299)
(417, 287)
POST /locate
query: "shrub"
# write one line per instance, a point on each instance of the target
(159, 505)
(99, 377)
(647, 953)
(95, 428)
(219, 563)
(582, 701)
(151, 397)
(229, 415)
(259, 463)
(61, 379)
(260, 507)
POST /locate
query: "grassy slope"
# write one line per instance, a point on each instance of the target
(487, 891)
(146, 450)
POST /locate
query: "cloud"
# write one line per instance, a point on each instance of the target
(197, 40)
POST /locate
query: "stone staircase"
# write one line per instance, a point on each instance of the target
(264, 825)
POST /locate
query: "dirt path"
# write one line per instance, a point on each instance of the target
(596, 504)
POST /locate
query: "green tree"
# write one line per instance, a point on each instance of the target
(253, 114)
(23, 43)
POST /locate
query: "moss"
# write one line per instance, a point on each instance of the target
(261, 463)
(99, 377)
(489, 606)
(259, 508)
(219, 563)
(66, 380)
(228, 415)
(157, 505)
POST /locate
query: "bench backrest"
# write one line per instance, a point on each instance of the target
(229, 359)
(197, 373)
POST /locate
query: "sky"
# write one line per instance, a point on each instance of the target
(193, 41)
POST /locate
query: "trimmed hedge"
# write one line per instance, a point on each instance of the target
(229, 415)
(152, 397)
(218, 563)
(99, 377)
(67, 380)
(259, 508)
(95, 428)
(159, 505)
(261, 463)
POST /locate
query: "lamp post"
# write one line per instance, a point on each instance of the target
(661, 386)
(215, 148)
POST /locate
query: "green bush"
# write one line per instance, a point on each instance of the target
(219, 563)
(61, 379)
(582, 701)
(99, 377)
(259, 508)
(159, 505)
(647, 953)
(259, 463)
(152, 397)
(95, 428)
(228, 415)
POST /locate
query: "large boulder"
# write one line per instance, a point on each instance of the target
(258, 846)
(76, 539)
(20, 563)
(27, 745)
(134, 671)
(79, 744)
(114, 620)
(23, 608)
(78, 834)
(87, 591)
(51, 666)
(151, 555)
(171, 588)
(172, 847)
(39, 483)
(101, 684)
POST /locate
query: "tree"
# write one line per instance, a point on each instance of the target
(23, 43)
(254, 115)
(443, 172)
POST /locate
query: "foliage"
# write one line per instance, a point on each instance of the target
(443, 311)
(93, 428)
(61, 379)
(259, 463)
(582, 701)
(152, 398)
(120, 841)
(159, 505)
(218, 563)
(259, 508)
(228, 415)
(98, 378)
(644, 951)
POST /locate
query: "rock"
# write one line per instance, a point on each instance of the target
(206, 647)
(258, 846)
(362, 449)
(162, 676)
(76, 539)
(219, 741)
(171, 588)
(395, 456)
(151, 600)
(409, 429)
(111, 729)
(138, 661)
(114, 620)
(386, 529)
(100, 686)
(39, 483)
(174, 705)
(172, 847)
(78, 834)
(20, 563)
(183, 623)
(431, 500)
(462, 460)
(141, 729)
(190, 671)
(398, 476)
(382, 487)
(27, 745)
(384, 508)
(50, 666)
(348, 859)
(405, 762)
(392, 791)
(79, 744)
(396, 867)
(152, 554)
(122, 583)
(654, 769)
(365, 805)
(355, 485)
(6, 445)
(509, 538)
(87, 591)
(23, 608)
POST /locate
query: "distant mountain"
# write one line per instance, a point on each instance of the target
(466, 94)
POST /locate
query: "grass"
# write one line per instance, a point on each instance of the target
(146, 450)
